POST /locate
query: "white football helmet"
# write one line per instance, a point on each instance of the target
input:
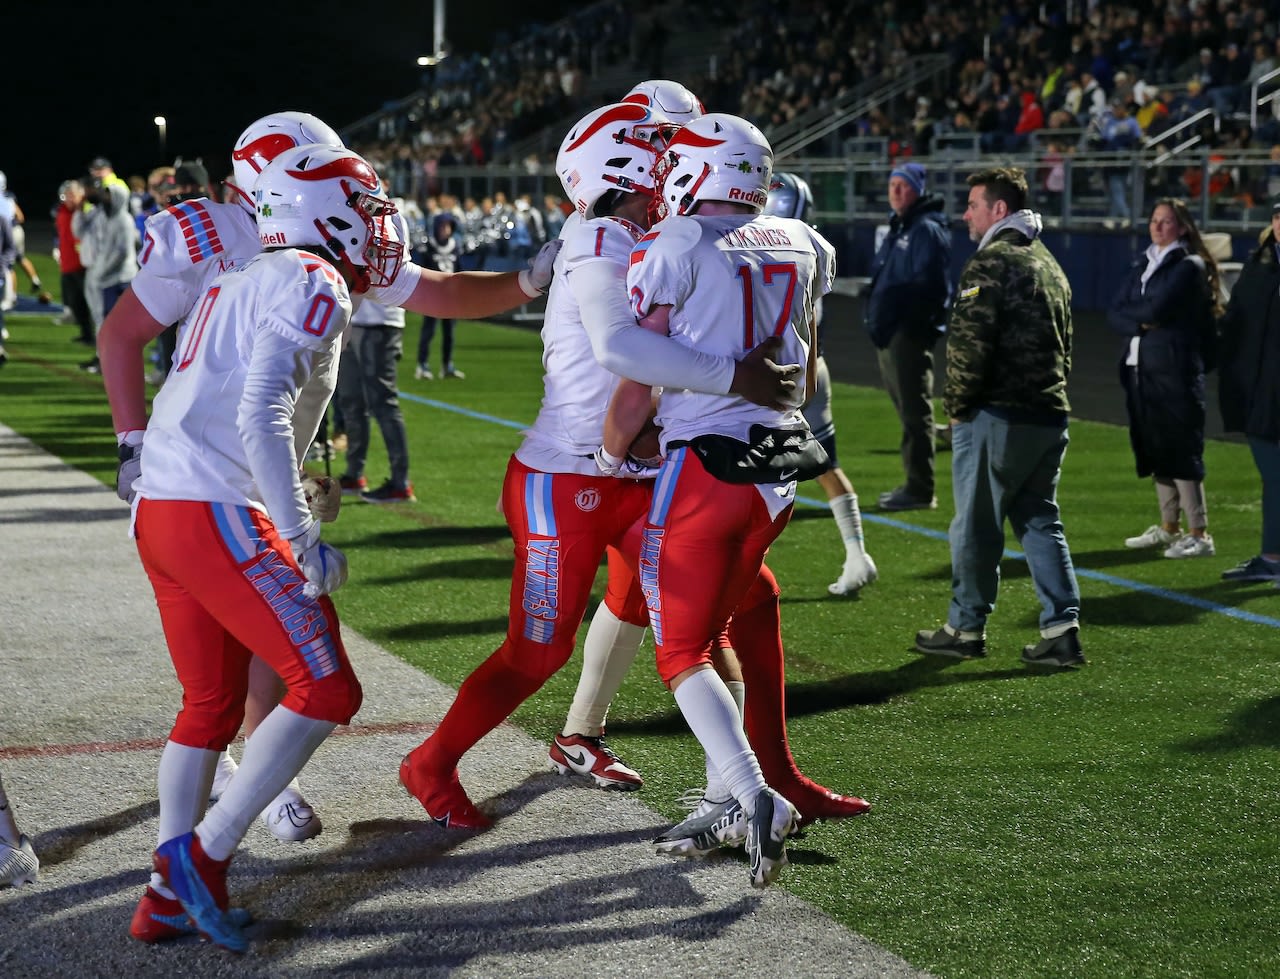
(670, 98)
(266, 139)
(789, 197)
(610, 149)
(327, 196)
(717, 157)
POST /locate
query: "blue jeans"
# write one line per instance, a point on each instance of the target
(1266, 456)
(1118, 192)
(367, 386)
(1008, 470)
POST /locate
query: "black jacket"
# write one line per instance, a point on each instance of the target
(1249, 349)
(911, 273)
(1165, 394)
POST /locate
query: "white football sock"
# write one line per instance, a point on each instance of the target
(182, 783)
(607, 654)
(716, 790)
(849, 520)
(709, 710)
(272, 757)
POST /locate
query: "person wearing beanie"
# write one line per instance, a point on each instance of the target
(905, 311)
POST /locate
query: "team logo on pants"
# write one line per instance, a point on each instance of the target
(587, 500)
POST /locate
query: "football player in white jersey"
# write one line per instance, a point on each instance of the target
(790, 197)
(222, 525)
(618, 625)
(562, 510)
(722, 278)
(185, 247)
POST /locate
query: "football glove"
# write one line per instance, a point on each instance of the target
(537, 277)
(130, 464)
(628, 467)
(324, 566)
(324, 497)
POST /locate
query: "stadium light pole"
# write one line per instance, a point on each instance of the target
(161, 124)
(440, 48)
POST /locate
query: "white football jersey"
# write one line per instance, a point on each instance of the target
(732, 282)
(273, 325)
(570, 424)
(184, 248)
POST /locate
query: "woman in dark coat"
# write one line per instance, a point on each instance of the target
(1249, 387)
(1165, 310)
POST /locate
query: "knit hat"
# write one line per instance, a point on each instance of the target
(912, 173)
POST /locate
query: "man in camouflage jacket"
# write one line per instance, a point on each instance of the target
(1008, 356)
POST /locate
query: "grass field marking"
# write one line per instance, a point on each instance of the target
(939, 535)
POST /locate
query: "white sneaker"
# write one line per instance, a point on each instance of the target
(1153, 536)
(858, 570)
(423, 373)
(710, 826)
(18, 863)
(222, 775)
(290, 818)
(1189, 545)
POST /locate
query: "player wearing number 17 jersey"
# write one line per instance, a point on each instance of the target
(721, 278)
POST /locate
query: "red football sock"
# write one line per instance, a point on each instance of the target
(486, 698)
(755, 632)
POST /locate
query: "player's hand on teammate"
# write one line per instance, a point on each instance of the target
(537, 277)
(323, 565)
(626, 467)
(324, 497)
(761, 381)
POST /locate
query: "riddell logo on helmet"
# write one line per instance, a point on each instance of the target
(748, 196)
(273, 238)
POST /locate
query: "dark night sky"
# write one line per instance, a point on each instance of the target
(102, 79)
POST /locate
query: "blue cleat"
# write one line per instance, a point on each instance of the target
(200, 884)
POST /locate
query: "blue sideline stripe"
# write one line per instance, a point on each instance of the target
(1110, 579)
(1138, 586)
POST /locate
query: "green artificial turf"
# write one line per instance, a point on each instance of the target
(1118, 821)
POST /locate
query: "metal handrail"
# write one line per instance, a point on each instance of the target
(826, 119)
(1160, 137)
(1253, 96)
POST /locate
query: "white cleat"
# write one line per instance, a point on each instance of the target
(291, 819)
(859, 570)
(18, 863)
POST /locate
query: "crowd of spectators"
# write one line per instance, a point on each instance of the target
(1054, 78)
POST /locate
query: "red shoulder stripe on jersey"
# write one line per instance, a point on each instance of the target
(642, 246)
(198, 230)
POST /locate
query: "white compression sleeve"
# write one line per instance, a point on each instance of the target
(624, 348)
(607, 654)
(277, 372)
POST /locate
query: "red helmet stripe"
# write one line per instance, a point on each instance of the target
(686, 137)
(265, 149)
(623, 112)
(346, 166)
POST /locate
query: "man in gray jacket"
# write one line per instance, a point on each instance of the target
(109, 248)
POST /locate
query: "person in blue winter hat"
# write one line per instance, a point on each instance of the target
(905, 313)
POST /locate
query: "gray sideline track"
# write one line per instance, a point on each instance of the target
(565, 884)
